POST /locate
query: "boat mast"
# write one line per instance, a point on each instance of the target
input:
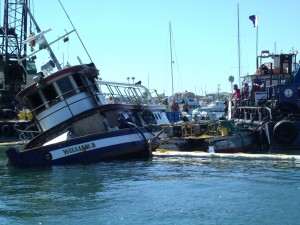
(171, 57)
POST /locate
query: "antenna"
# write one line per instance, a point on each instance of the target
(75, 31)
(79, 60)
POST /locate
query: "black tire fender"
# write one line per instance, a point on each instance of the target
(6, 131)
(285, 132)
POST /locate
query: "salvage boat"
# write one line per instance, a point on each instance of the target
(208, 136)
(83, 119)
(272, 109)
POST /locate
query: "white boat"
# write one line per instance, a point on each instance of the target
(215, 106)
(75, 120)
(187, 101)
(198, 114)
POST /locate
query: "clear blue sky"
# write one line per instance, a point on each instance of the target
(131, 38)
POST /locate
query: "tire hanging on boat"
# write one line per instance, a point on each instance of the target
(285, 132)
(6, 131)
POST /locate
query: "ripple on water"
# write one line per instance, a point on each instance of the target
(175, 190)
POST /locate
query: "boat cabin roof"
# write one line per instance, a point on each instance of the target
(89, 71)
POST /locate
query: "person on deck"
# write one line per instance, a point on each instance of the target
(245, 91)
(245, 94)
(236, 94)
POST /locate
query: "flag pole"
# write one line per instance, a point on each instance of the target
(254, 19)
(256, 41)
(239, 48)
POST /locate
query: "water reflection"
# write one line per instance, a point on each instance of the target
(64, 190)
(116, 189)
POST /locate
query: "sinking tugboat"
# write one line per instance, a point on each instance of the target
(83, 119)
(14, 76)
(272, 109)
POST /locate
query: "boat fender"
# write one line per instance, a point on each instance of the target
(6, 131)
(285, 132)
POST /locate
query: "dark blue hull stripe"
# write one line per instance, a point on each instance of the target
(92, 148)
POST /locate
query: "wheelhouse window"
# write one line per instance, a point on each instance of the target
(35, 102)
(50, 94)
(66, 87)
(79, 82)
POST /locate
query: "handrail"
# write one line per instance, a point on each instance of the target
(131, 92)
(257, 108)
(58, 98)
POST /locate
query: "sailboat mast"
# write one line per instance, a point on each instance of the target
(239, 48)
(171, 57)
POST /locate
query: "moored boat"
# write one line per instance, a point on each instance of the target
(208, 136)
(234, 143)
(187, 101)
(215, 106)
(271, 109)
(79, 123)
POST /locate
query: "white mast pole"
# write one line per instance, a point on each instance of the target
(239, 48)
(171, 58)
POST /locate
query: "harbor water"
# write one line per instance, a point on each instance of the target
(163, 190)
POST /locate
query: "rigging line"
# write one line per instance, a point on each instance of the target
(30, 22)
(76, 31)
(167, 63)
(32, 4)
(177, 64)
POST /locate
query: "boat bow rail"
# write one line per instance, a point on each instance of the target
(252, 114)
(126, 93)
(134, 94)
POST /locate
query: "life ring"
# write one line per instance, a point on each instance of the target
(285, 132)
(6, 130)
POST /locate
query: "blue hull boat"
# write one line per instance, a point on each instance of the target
(121, 144)
(271, 108)
(81, 118)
